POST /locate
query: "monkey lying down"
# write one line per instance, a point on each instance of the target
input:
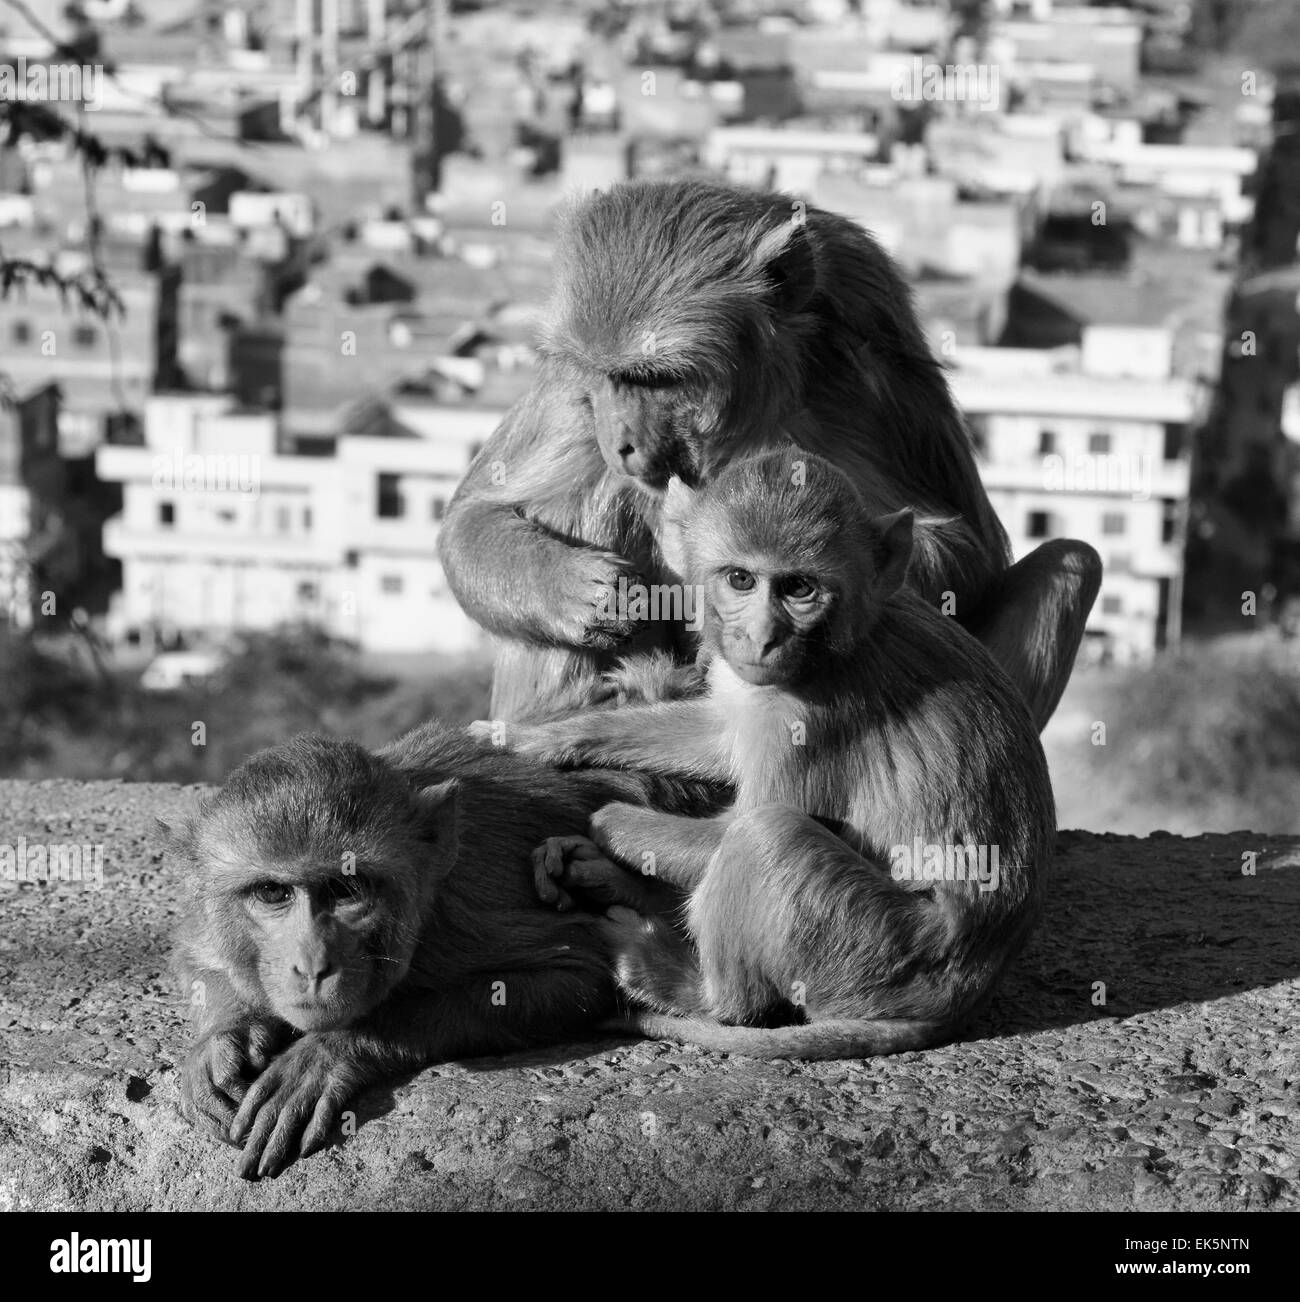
(893, 823)
(352, 915)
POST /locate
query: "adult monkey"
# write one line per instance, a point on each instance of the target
(692, 323)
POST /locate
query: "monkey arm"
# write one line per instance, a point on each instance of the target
(510, 572)
(673, 848)
(293, 1107)
(518, 579)
(686, 738)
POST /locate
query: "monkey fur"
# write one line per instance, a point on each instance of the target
(863, 733)
(692, 323)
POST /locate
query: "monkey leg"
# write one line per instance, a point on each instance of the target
(788, 913)
(1032, 619)
(656, 965)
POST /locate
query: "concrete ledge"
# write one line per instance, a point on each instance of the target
(1181, 1091)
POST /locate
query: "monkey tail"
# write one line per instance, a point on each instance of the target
(840, 1037)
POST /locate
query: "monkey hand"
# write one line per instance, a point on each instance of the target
(592, 600)
(294, 1105)
(565, 866)
(217, 1072)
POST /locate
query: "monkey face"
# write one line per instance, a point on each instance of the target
(764, 621)
(646, 429)
(320, 945)
(315, 864)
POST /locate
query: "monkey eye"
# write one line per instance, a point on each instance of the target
(272, 893)
(740, 580)
(799, 588)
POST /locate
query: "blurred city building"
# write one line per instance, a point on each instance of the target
(220, 530)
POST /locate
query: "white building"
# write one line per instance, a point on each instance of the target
(221, 532)
(1091, 443)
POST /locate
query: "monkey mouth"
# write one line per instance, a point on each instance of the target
(307, 1015)
(755, 673)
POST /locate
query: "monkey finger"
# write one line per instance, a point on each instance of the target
(210, 1114)
(283, 1143)
(228, 1079)
(263, 1042)
(546, 889)
(261, 1090)
(581, 847)
(320, 1128)
(544, 872)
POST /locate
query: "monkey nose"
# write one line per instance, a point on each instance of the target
(314, 975)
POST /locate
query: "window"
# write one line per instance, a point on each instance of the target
(308, 591)
(1039, 524)
(389, 505)
(306, 518)
(1046, 442)
(84, 336)
(1099, 443)
(1174, 436)
(282, 519)
(167, 513)
(391, 584)
(1112, 606)
(21, 332)
(351, 559)
(1119, 563)
(438, 508)
(1114, 522)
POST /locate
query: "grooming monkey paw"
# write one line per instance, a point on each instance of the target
(219, 1069)
(293, 1107)
(569, 866)
(596, 593)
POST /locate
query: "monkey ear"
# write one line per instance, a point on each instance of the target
(679, 497)
(893, 549)
(789, 263)
(438, 809)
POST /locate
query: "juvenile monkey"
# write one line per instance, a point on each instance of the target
(692, 324)
(893, 820)
(353, 915)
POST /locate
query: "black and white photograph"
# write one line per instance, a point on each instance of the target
(649, 606)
